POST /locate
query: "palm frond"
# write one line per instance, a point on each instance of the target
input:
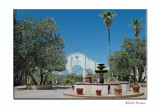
(114, 15)
(136, 24)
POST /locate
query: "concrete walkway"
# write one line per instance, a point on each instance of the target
(20, 92)
(56, 92)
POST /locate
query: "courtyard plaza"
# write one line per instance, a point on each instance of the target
(57, 92)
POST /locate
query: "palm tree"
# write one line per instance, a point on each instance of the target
(108, 15)
(136, 24)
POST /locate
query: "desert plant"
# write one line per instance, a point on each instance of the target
(135, 83)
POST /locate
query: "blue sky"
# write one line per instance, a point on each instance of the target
(84, 30)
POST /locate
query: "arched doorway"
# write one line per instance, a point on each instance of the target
(78, 71)
(81, 60)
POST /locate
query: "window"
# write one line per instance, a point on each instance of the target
(76, 57)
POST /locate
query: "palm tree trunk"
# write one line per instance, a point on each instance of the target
(136, 34)
(109, 45)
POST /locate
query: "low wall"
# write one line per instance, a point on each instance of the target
(88, 89)
(140, 84)
(125, 88)
(143, 84)
(92, 87)
(38, 87)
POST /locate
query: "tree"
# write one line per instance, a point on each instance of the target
(131, 56)
(136, 24)
(58, 60)
(18, 54)
(136, 49)
(108, 15)
(120, 65)
(38, 48)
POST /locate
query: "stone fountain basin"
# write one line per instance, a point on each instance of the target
(89, 88)
(101, 71)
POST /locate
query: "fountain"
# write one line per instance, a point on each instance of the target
(107, 89)
(101, 72)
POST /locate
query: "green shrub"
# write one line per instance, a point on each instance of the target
(68, 83)
(112, 79)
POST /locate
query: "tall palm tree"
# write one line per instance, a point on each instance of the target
(108, 15)
(136, 24)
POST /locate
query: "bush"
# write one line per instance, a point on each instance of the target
(112, 79)
(68, 83)
(72, 81)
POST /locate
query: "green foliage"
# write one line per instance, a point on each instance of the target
(70, 79)
(108, 15)
(131, 56)
(136, 49)
(112, 79)
(78, 78)
(135, 83)
(49, 78)
(94, 77)
(136, 24)
(31, 82)
(120, 64)
(106, 76)
(37, 48)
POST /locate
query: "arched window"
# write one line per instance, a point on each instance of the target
(76, 57)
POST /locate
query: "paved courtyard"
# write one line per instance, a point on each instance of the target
(56, 92)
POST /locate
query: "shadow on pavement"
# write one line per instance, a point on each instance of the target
(20, 89)
(53, 88)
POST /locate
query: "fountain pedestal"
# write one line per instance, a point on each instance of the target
(101, 72)
(101, 78)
